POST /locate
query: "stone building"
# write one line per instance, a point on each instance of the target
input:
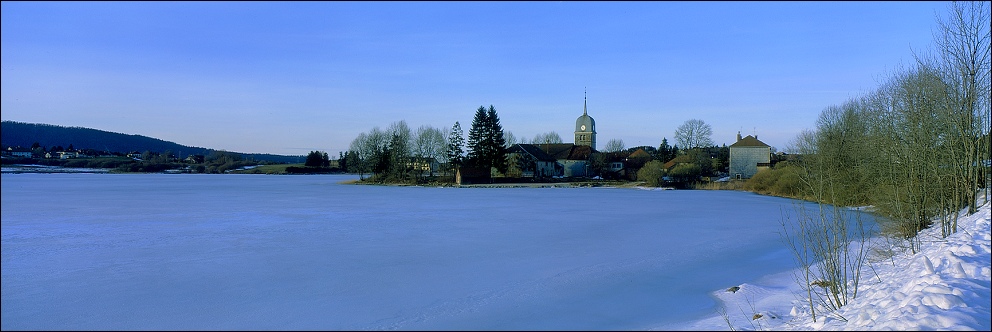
(585, 128)
(748, 156)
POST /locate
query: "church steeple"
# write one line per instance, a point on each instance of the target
(585, 101)
(585, 126)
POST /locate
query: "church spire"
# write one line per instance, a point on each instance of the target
(585, 101)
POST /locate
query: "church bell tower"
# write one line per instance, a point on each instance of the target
(585, 127)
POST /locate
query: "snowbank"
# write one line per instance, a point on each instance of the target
(945, 286)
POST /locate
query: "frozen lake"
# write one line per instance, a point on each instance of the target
(250, 252)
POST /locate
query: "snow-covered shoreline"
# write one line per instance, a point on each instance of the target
(49, 169)
(945, 286)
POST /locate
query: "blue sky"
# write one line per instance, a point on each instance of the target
(290, 77)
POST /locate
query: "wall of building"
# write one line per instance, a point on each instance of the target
(744, 160)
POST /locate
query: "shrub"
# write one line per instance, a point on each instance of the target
(653, 173)
(782, 180)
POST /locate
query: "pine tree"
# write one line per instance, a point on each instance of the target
(485, 140)
(497, 147)
(313, 159)
(456, 140)
(665, 151)
(477, 137)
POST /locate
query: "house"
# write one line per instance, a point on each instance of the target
(195, 159)
(530, 161)
(69, 154)
(678, 160)
(19, 152)
(748, 156)
(424, 165)
(635, 161)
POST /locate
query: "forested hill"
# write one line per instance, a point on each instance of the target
(21, 134)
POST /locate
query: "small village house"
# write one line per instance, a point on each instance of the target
(748, 156)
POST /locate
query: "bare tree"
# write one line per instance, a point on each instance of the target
(550, 137)
(510, 139)
(429, 144)
(693, 133)
(963, 47)
(614, 145)
(360, 160)
(828, 244)
(400, 151)
(830, 247)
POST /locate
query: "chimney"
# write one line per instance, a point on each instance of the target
(738, 136)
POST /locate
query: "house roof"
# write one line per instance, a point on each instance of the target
(639, 154)
(532, 150)
(557, 151)
(749, 141)
(678, 160)
(567, 151)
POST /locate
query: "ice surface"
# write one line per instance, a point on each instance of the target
(250, 252)
(98, 251)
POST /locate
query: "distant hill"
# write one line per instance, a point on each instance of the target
(21, 134)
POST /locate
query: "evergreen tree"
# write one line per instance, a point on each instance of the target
(456, 139)
(313, 159)
(496, 141)
(485, 140)
(665, 152)
(476, 138)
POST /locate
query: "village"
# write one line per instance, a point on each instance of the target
(550, 161)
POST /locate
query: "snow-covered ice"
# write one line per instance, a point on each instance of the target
(156, 251)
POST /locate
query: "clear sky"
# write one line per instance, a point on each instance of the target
(290, 77)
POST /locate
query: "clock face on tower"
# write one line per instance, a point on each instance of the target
(583, 127)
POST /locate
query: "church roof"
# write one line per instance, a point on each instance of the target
(580, 152)
(557, 151)
(749, 141)
(585, 119)
(567, 151)
(531, 149)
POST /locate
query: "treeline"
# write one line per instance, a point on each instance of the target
(680, 168)
(214, 163)
(148, 162)
(916, 148)
(25, 134)
(401, 155)
(94, 141)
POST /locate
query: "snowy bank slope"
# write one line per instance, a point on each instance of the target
(945, 286)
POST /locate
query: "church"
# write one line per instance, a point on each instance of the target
(585, 127)
(564, 159)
